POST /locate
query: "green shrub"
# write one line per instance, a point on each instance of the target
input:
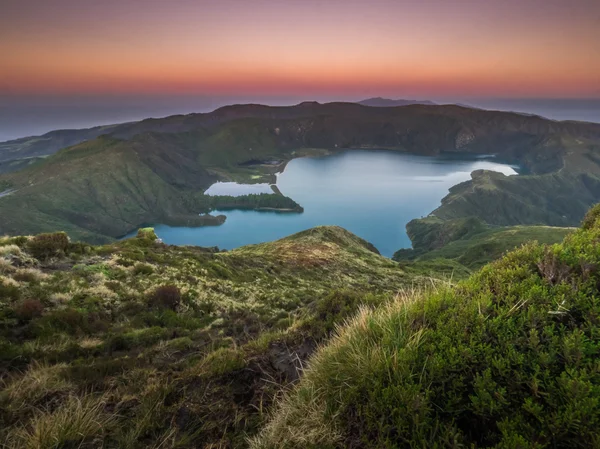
(147, 233)
(8, 291)
(590, 218)
(44, 246)
(142, 269)
(70, 321)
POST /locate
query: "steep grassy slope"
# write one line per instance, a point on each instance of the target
(470, 242)
(556, 199)
(569, 183)
(49, 143)
(506, 359)
(138, 344)
(106, 187)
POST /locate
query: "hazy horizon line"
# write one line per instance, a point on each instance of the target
(35, 118)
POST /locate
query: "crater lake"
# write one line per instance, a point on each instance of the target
(371, 193)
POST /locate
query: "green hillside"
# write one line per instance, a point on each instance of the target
(107, 187)
(505, 359)
(469, 241)
(155, 171)
(138, 344)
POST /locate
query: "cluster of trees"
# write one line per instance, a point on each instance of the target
(253, 201)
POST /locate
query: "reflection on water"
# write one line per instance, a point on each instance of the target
(371, 193)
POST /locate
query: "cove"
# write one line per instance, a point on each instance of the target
(370, 193)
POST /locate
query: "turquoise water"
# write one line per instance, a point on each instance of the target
(371, 193)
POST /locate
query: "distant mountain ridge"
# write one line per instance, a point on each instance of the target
(387, 102)
(156, 170)
(15, 154)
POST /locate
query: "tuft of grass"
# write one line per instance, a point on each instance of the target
(6, 266)
(73, 423)
(10, 249)
(220, 362)
(44, 246)
(40, 381)
(30, 275)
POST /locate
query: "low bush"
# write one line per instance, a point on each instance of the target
(142, 269)
(147, 233)
(44, 246)
(69, 320)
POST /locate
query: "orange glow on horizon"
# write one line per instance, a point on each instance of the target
(307, 48)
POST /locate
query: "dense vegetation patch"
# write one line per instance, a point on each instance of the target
(469, 241)
(139, 344)
(506, 359)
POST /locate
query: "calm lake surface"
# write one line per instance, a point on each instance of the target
(371, 193)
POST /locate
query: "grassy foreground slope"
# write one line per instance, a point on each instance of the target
(505, 359)
(138, 344)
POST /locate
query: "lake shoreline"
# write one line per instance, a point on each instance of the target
(371, 193)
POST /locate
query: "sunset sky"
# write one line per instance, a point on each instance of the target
(427, 48)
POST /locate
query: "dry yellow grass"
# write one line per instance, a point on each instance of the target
(40, 380)
(74, 422)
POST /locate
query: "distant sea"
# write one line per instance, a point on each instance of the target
(29, 116)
